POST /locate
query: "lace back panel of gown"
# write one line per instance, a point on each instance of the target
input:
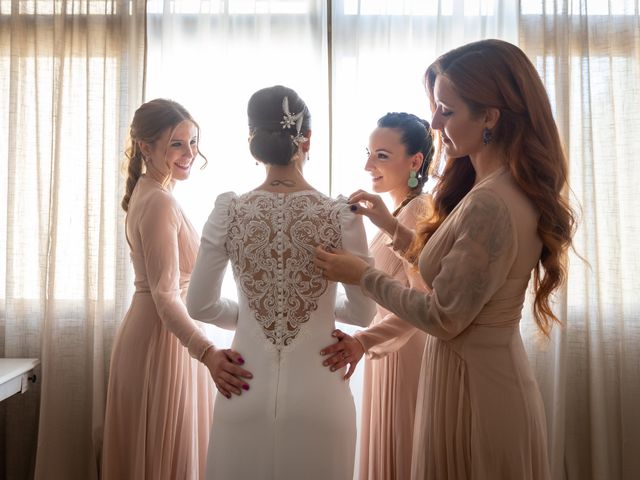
(271, 242)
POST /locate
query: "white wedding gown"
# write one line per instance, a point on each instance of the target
(297, 421)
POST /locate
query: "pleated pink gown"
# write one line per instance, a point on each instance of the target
(160, 398)
(391, 369)
(479, 412)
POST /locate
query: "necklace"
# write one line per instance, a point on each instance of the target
(286, 183)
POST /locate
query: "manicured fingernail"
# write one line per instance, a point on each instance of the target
(321, 352)
(241, 360)
(249, 375)
(325, 363)
(245, 386)
(333, 369)
(353, 207)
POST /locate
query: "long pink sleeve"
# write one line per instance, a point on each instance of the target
(391, 333)
(159, 227)
(470, 273)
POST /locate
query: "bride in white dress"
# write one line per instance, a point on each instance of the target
(296, 420)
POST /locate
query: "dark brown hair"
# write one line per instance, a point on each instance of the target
(270, 142)
(415, 135)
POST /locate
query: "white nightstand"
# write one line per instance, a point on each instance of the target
(16, 374)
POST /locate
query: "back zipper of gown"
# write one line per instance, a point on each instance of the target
(275, 406)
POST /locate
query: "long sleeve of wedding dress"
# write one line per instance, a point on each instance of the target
(203, 298)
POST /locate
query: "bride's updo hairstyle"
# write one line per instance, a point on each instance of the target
(278, 123)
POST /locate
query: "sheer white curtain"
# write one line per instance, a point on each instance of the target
(351, 60)
(588, 54)
(70, 76)
(381, 49)
(211, 56)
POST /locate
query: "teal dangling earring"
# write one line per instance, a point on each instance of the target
(413, 179)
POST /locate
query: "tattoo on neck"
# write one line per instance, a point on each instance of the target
(286, 183)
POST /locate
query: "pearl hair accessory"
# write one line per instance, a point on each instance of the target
(290, 120)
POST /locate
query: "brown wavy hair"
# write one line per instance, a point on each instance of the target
(497, 74)
(149, 122)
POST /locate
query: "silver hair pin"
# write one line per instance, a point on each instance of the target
(289, 120)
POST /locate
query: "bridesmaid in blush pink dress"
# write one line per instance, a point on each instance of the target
(160, 397)
(500, 221)
(400, 151)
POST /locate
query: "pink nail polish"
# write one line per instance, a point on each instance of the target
(241, 360)
(245, 386)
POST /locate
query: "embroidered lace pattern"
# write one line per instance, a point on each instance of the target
(271, 241)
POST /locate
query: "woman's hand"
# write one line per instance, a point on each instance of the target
(224, 369)
(347, 350)
(340, 266)
(373, 207)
